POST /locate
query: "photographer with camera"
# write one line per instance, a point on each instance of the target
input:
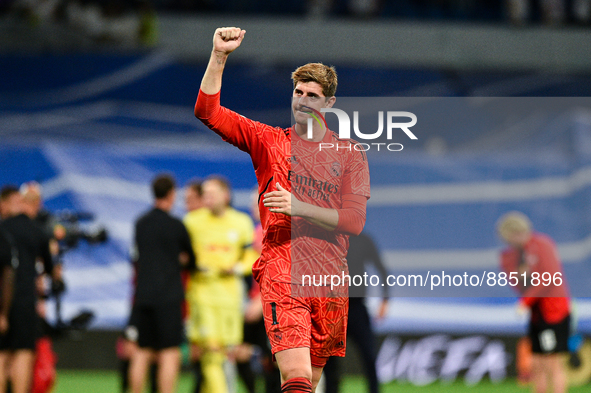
(44, 371)
(18, 345)
(64, 234)
(32, 204)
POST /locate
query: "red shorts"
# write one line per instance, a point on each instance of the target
(318, 323)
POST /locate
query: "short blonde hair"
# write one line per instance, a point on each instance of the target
(31, 191)
(325, 76)
(512, 223)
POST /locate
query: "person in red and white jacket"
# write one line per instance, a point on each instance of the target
(532, 262)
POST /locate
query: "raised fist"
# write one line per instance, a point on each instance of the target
(227, 39)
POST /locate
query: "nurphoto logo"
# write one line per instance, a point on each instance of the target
(392, 123)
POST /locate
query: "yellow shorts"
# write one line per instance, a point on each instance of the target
(213, 325)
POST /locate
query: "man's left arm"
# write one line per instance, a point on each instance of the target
(283, 201)
(373, 255)
(49, 265)
(548, 262)
(349, 219)
(51, 268)
(187, 258)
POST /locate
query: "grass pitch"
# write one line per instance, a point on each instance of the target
(108, 382)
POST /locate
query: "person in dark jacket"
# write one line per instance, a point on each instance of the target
(162, 247)
(362, 250)
(17, 346)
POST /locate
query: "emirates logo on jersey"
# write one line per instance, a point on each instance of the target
(312, 183)
(335, 169)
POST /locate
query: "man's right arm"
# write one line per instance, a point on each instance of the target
(232, 127)
(225, 41)
(8, 263)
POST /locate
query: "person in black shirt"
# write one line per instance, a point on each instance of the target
(8, 263)
(6, 195)
(162, 245)
(18, 345)
(32, 206)
(362, 249)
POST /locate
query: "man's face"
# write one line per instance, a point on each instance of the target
(518, 239)
(31, 205)
(11, 206)
(215, 197)
(192, 200)
(308, 94)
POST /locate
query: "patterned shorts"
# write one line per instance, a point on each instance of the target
(318, 323)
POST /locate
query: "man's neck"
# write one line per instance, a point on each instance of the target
(12, 214)
(163, 205)
(219, 212)
(318, 132)
(30, 212)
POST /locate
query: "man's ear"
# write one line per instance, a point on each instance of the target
(330, 102)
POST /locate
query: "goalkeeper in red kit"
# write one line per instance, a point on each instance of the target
(531, 261)
(310, 201)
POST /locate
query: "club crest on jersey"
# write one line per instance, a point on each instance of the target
(293, 160)
(233, 236)
(335, 169)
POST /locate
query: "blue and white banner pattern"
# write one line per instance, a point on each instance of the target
(94, 130)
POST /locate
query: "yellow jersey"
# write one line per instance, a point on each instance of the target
(223, 247)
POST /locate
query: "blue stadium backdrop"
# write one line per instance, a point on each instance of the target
(94, 130)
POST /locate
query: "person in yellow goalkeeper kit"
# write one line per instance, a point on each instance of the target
(222, 239)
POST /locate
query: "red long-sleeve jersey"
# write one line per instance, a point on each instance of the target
(551, 303)
(324, 178)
